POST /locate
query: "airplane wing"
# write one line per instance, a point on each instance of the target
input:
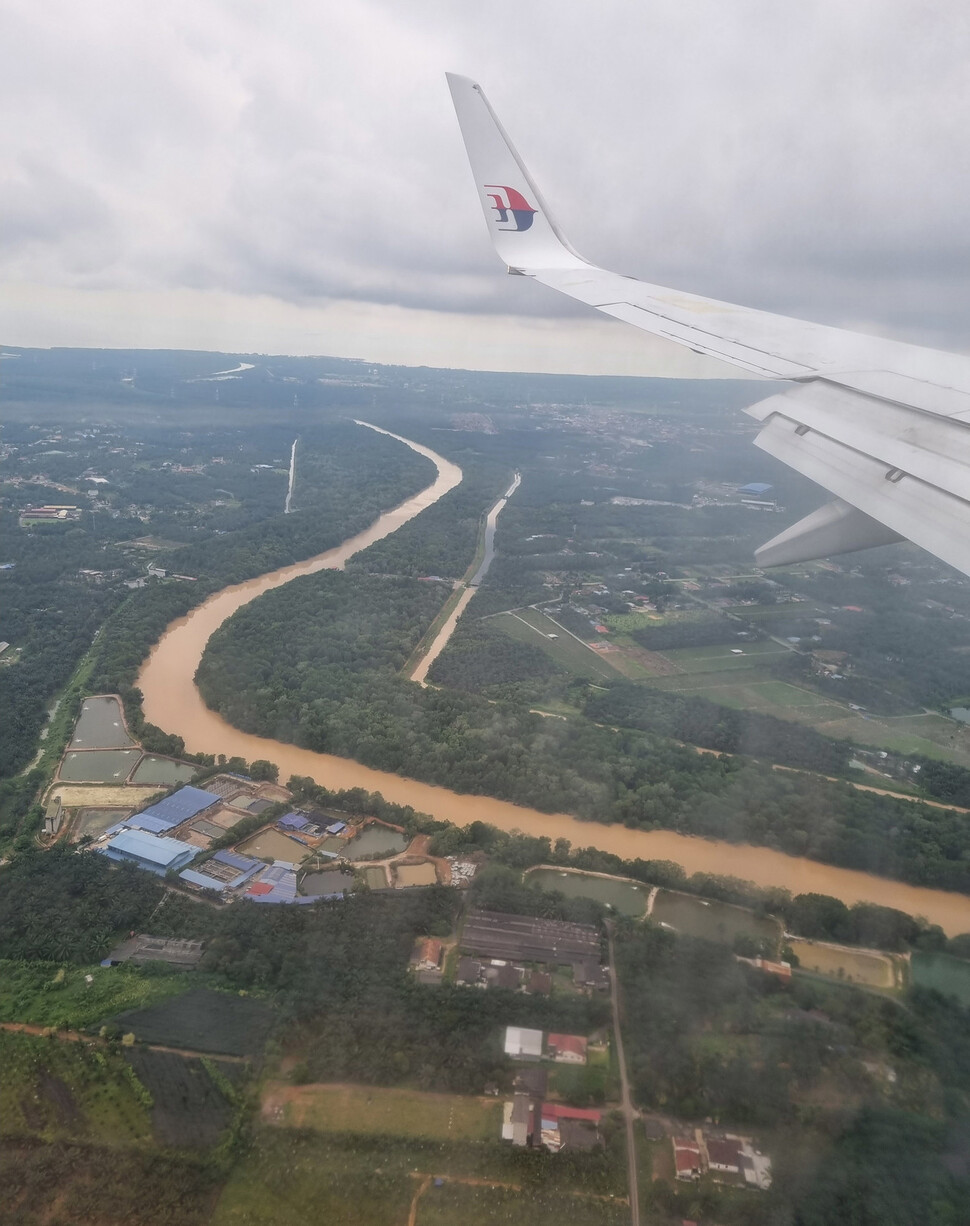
(883, 425)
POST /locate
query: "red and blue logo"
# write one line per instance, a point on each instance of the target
(512, 210)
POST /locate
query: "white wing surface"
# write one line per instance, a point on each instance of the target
(883, 425)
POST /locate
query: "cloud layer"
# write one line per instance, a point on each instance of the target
(809, 159)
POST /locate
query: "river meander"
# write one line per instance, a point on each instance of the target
(172, 701)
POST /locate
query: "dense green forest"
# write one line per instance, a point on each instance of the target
(442, 539)
(340, 699)
(53, 613)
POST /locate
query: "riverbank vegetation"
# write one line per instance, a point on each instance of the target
(342, 696)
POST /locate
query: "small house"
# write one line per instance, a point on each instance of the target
(567, 1048)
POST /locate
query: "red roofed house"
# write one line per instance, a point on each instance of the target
(687, 1158)
(260, 887)
(427, 954)
(567, 1048)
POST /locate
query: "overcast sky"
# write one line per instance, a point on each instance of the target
(289, 178)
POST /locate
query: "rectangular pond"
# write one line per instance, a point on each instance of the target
(93, 822)
(273, 845)
(625, 897)
(714, 921)
(100, 725)
(874, 970)
(415, 874)
(98, 765)
(375, 840)
(948, 975)
(375, 877)
(330, 882)
(153, 769)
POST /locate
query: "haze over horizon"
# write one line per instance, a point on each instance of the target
(214, 176)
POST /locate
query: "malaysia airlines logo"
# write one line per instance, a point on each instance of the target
(512, 210)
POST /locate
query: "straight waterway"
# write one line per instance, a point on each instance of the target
(172, 701)
(289, 484)
(440, 641)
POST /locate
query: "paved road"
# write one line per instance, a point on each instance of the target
(625, 1100)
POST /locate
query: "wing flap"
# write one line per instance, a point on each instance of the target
(934, 449)
(936, 518)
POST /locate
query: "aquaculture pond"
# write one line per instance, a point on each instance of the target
(330, 882)
(153, 769)
(415, 874)
(951, 976)
(270, 843)
(715, 921)
(98, 765)
(93, 822)
(100, 725)
(375, 840)
(375, 877)
(625, 897)
(875, 970)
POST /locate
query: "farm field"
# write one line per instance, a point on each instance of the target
(202, 1020)
(54, 1090)
(474, 1204)
(721, 659)
(46, 994)
(529, 626)
(871, 969)
(383, 1111)
(290, 1178)
(190, 1109)
(714, 921)
(748, 686)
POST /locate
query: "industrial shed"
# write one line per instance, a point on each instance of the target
(173, 810)
(149, 851)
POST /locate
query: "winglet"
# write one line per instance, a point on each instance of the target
(518, 219)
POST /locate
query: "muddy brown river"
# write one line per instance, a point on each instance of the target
(172, 701)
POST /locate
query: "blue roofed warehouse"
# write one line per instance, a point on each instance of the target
(149, 851)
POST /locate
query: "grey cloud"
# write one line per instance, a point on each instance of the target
(812, 159)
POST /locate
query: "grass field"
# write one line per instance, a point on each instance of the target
(625, 622)
(294, 1177)
(873, 970)
(475, 1204)
(383, 1111)
(45, 994)
(56, 1090)
(530, 626)
(720, 659)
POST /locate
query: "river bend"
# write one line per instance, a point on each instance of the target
(172, 701)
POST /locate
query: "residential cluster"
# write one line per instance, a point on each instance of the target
(725, 1157)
